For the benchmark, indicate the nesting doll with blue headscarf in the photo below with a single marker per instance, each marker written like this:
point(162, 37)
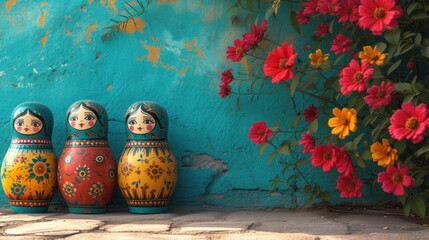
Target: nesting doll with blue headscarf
point(147, 173)
point(86, 168)
point(29, 168)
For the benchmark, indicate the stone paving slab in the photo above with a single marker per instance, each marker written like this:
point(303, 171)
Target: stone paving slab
point(141, 226)
point(309, 227)
point(133, 236)
point(54, 227)
point(210, 227)
point(21, 217)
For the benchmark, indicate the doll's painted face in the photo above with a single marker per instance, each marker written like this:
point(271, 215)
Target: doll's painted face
point(141, 123)
point(28, 124)
point(82, 119)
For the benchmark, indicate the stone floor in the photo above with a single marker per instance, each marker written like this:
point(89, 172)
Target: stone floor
point(207, 223)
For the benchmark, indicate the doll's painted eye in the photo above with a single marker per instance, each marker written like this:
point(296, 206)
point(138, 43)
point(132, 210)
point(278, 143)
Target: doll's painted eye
point(89, 117)
point(132, 122)
point(73, 118)
point(20, 123)
point(36, 123)
point(147, 121)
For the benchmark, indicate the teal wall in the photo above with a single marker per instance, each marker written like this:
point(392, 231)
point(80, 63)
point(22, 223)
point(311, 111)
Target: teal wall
point(53, 52)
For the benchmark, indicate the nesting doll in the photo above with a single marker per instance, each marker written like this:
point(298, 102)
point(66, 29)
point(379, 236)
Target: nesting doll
point(86, 168)
point(29, 168)
point(147, 171)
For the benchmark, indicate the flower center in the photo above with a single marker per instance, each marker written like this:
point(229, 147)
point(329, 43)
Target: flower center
point(379, 13)
point(282, 63)
point(396, 178)
point(412, 123)
point(17, 190)
point(238, 50)
point(357, 77)
point(326, 156)
point(350, 186)
point(261, 132)
point(82, 173)
point(39, 169)
point(348, 10)
point(381, 94)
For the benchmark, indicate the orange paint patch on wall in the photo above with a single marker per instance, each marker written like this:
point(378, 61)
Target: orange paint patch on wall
point(42, 18)
point(90, 2)
point(43, 40)
point(131, 26)
point(112, 5)
point(10, 4)
point(89, 31)
point(154, 52)
point(245, 64)
point(43, 4)
point(200, 52)
point(67, 17)
point(68, 32)
point(184, 71)
point(154, 38)
point(102, 2)
point(188, 46)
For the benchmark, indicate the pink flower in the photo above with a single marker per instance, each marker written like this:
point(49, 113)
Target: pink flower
point(322, 30)
point(308, 142)
point(341, 44)
point(324, 156)
point(348, 11)
point(354, 77)
point(260, 132)
point(379, 14)
point(227, 77)
point(350, 186)
point(236, 52)
point(328, 7)
point(257, 33)
point(395, 178)
point(343, 163)
point(379, 96)
point(280, 62)
point(224, 90)
point(311, 7)
point(409, 122)
point(310, 113)
point(302, 18)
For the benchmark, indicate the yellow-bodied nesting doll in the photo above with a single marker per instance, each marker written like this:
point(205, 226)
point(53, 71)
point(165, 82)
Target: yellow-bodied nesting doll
point(29, 167)
point(147, 172)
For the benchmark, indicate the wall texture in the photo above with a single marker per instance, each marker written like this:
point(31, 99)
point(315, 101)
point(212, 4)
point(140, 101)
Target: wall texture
point(54, 52)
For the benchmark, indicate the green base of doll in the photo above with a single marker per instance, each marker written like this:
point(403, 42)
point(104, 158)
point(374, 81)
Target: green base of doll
point(147, 210)
point(16, 209)
point(87, 210)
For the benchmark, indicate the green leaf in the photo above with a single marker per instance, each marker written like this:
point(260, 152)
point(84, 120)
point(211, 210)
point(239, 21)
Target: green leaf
point(357, 140)
point(295, 121)
point(412, 7)
point(422, 150)
point(295, 82)
point(400, 146)
point(394, 67)
point(407, 208)
point(291, 178)
point(262, 148)
point(301, 161)
point(325, 196)
point(393, 36)
point(271, 157)
point(366, 155)
point(348, 147)
point(418, 205)
point(381, 46)
point(313, 126)
point(420, 16)
point(285, 150)
point(404, 48)
point(403, 88)
point(360, 162)
point(295, 23)
point(418, 39)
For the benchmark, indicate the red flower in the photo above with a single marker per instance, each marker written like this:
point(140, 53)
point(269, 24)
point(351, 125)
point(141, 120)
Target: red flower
point(395, 178)
point(343, 163)
point(324, 156)
point(311, 7)
point(410, 65)
point(236, 52)
point(329, 7)
point(379, 14)
point(409, 122)
point(379, 96)
point(350, 186)
point(227, 77)
point(341, 44)
point(280, 62)
point(308, 142)
point(310, 113)
point(348, 11)
point(256, 35)
point(224, 90)
point(260, 132)
point(354, 77)
point(322, 30)
point(302, 18)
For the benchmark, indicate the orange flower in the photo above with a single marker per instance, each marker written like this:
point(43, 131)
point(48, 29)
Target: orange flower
point(383, 154)
point(344, 121)
point(373, 56)
point(317, 58)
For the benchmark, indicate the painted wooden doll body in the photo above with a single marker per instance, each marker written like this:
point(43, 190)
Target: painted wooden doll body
point(86, 168)
point(147, 173)
point(29, 167)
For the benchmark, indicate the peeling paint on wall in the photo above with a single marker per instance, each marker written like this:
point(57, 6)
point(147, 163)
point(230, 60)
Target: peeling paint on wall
point(165, 1)
point(89, 31)
point(10, 4)
point(132, 25)
point(112, 5)
point(154, 52)
point(42, 18)
point(43, 40)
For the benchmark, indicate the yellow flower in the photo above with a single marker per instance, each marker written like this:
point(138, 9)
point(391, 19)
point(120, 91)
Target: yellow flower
point(317, 58)
point(383, 154)
point(344, 121)
point(373, 56)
